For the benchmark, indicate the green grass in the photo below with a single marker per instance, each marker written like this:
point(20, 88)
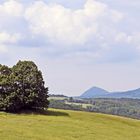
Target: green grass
point(67, 125)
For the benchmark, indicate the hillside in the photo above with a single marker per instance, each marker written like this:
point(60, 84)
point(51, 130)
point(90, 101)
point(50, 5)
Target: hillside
point(133, 94)
point(96, 92)
point(67, 125)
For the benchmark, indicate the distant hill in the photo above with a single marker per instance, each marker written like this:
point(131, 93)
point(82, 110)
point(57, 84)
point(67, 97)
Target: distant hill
point(134, 94)
point(96, 92)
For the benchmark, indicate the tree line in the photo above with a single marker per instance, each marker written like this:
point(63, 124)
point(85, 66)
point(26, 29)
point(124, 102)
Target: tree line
point(121, 107)
point(22, 87)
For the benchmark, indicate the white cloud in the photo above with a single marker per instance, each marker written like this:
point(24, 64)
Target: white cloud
point(9, 38)
point(94, 9)
point(123, 37)
point(11, 8)
point(91, 31)
point(66, 26)
point(132, 39)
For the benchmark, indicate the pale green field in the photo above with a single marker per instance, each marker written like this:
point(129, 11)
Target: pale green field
point(57, 98)
point(67, 125)
point(83, 105)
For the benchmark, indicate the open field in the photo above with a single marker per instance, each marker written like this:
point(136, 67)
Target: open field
point(57, 98)
point(67, 125)
point(82, 104)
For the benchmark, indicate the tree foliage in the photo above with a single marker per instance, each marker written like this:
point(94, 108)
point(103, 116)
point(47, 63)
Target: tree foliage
point(22, 87)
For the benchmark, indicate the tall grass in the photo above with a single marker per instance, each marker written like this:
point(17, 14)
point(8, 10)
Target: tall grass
point(67, 125)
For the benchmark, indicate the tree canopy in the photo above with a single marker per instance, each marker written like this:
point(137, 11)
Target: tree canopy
point(22, 87)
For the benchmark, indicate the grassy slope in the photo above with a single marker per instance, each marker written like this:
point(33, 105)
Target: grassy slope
point(67, 125)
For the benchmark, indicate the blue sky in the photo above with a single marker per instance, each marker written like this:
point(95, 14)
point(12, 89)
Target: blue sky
point(77, 44)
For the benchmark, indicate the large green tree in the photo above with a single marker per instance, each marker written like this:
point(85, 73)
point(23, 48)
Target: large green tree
point(5, 86)
point(22, 87)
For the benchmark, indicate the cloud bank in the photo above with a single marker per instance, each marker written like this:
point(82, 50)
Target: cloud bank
point(92, 28)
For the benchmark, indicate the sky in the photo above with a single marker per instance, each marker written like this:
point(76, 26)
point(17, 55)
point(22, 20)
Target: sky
point(77, 44)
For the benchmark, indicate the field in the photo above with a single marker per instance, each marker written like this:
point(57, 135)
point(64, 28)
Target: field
point(57, 98)
point(67, 125)
point(82, 104)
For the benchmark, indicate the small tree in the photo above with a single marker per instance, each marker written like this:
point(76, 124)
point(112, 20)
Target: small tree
point(25, 88)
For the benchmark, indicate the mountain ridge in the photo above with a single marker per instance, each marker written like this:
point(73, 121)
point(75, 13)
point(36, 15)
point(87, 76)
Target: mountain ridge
point(96, 92)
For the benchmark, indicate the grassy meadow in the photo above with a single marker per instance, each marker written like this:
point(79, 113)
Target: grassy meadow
point(67, 125)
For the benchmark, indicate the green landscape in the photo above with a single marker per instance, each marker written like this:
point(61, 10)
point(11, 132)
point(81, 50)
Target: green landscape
point(67, 125)
point(28, 113)
point(69, 70)
point(122, 106)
